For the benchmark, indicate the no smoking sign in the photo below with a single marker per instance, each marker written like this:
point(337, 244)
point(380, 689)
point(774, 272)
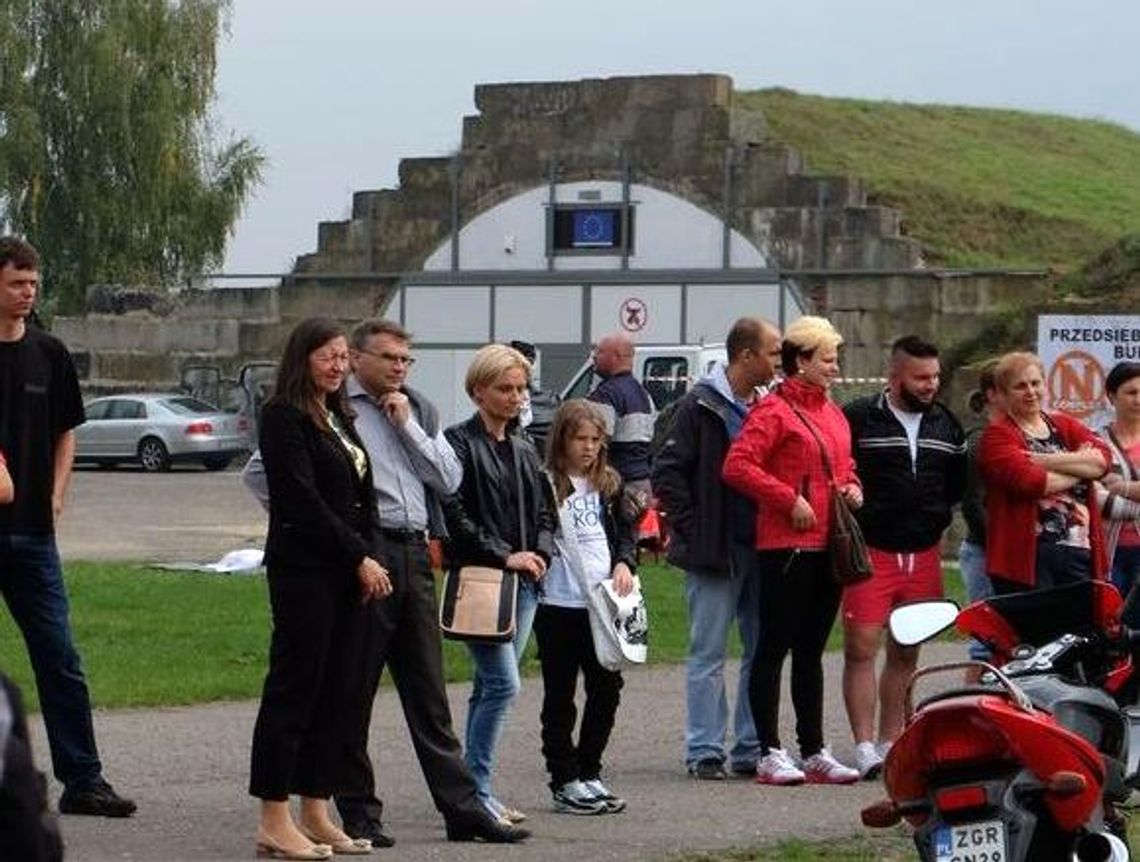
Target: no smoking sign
point(633, 314)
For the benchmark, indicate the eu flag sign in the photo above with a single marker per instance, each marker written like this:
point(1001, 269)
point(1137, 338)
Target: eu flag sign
point(594, 228)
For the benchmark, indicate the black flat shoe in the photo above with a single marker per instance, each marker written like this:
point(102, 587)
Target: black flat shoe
point(98, 800)
point(487, 830)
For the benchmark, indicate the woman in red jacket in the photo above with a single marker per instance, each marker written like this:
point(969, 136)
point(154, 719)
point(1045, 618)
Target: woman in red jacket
point(778, 461)
point(1041, 530)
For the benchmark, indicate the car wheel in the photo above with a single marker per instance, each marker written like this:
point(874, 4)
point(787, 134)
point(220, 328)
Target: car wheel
point(153, 455)
point(219, 462)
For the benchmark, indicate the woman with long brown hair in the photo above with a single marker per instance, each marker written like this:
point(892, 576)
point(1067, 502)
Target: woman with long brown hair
point(321, 569)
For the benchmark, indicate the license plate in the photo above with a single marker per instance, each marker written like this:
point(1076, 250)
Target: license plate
point(983, 841)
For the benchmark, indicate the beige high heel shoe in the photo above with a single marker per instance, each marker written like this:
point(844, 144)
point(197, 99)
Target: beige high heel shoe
point(347, 847)
point(269, 849)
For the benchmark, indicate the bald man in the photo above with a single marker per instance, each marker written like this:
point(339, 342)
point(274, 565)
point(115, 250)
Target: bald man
point(628, 409)
point(713, 533)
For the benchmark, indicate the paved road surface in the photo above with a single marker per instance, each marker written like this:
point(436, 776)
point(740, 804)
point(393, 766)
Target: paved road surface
point(185, 515)
point(188, 767)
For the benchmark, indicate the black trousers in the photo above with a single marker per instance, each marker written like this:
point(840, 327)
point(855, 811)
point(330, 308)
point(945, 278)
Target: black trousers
point(798, 602)
point(402, 631)
point(297, 740)
point(565, 647)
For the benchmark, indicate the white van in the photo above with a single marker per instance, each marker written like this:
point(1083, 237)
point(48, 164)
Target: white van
point(666, 371)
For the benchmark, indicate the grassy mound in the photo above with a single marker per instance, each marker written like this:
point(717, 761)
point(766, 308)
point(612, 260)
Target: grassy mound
point(979, 187)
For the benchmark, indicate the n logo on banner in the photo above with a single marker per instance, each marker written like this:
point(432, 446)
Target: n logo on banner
point(1076, 384)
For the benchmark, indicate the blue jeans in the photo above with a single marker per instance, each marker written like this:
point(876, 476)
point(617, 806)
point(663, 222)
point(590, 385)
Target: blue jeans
point(972, 565)
point(493, 689)
point(713, 602)
point(32, 584)
point(1125, 571)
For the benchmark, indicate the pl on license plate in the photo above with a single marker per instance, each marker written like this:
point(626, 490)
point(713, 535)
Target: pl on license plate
point(971, 842)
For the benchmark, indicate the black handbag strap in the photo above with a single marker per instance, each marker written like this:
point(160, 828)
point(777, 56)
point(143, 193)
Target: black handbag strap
point(819, 440)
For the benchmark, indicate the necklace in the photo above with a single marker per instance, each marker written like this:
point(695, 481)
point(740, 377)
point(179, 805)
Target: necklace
point(1038, 429)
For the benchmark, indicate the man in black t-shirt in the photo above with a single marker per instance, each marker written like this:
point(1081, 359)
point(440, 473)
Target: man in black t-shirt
point(40, 406)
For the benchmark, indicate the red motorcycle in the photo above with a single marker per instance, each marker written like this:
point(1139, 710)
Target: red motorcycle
point(1029, 764)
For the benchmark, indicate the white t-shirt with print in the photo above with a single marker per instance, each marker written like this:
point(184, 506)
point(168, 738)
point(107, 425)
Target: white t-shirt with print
point(560, 586)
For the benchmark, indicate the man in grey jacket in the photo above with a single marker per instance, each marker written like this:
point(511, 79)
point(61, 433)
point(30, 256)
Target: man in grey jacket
point(712, 537)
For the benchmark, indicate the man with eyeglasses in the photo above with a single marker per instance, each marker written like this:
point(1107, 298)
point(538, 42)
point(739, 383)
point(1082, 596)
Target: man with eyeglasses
point(413, 466)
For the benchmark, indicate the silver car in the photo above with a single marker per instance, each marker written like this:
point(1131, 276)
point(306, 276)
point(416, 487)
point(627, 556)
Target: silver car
point(156, 430)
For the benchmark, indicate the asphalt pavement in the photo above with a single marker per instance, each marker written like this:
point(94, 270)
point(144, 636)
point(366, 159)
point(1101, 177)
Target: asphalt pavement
point(187, 767)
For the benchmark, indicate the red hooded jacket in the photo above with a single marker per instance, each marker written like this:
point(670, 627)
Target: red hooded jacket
point(776, 457)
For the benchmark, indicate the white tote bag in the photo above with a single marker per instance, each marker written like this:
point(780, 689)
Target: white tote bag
point(619, 624)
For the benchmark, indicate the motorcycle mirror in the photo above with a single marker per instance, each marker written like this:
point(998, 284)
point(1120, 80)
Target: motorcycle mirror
point(913, 623)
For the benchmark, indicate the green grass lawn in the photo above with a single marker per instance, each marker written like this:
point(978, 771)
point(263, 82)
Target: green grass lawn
point(151, 637)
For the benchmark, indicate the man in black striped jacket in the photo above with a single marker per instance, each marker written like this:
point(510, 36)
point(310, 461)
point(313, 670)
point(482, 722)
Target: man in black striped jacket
point(911, 458)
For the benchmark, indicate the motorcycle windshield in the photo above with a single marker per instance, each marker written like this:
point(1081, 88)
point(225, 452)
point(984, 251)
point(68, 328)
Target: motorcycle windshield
point(1040, 616)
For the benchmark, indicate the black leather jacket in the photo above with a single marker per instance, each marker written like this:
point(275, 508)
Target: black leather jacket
point(477, 514)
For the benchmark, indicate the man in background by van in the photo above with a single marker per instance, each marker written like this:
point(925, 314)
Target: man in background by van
point(713, 540)
point(629, 415)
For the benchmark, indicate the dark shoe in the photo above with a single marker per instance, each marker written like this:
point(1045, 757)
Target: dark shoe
point(373, 830)
point(744, 770)
point(487, 829)
point(97, 800)
point(708, 770)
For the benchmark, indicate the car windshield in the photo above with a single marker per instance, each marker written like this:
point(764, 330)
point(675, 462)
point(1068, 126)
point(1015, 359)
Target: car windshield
point(187, 406)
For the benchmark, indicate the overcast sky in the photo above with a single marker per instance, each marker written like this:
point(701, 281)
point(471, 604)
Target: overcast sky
point(337, 92)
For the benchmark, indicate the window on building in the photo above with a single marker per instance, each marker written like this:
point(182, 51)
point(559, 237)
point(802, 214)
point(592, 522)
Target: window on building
point(666, 378)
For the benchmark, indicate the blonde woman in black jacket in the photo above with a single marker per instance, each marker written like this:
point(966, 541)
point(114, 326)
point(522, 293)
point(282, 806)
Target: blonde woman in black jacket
point(500, 517)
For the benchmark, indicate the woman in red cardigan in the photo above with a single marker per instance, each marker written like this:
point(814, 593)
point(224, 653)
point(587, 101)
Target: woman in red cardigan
point(1042, 524)
point(777, 461)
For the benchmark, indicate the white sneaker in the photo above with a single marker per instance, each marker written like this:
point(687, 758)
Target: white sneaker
point(868, 760)
point(614, 804)
point(822, 768)
point(883, 747)
point(776, 767)
point(574, 798)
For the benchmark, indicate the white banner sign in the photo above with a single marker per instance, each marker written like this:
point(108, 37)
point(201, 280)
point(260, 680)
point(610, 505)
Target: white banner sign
point(1078, 351)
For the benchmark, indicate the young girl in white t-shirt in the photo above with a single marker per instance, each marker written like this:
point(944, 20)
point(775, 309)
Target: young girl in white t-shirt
point(588, 493)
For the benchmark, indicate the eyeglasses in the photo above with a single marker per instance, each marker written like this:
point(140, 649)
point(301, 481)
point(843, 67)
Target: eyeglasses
point(331, 358)
point(394, 358)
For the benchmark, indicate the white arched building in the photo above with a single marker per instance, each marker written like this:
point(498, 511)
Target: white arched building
point(563, 264)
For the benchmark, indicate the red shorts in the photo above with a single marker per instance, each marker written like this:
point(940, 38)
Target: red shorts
point(896, 578)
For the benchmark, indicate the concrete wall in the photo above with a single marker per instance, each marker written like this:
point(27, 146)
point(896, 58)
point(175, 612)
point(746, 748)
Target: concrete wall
point(692, 158)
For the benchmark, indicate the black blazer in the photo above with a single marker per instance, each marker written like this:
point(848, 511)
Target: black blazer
point(476, 517)
point(322, 514)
